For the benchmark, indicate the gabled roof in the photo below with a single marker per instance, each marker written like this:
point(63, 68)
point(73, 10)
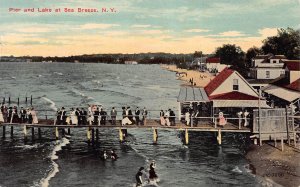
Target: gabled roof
point(277, 57)
point(233, 96)
point(192, 94)
point(294, 85)
point(218, 80)
point(292, 65)
point(262, 56)
point(213, 60)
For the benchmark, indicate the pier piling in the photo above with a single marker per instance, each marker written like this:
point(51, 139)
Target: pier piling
point(282, 146)
point(3, 132)
point(8, 100)
point(69, 131)
point(93, 134)
point(18, 101)
point(155, 136)
point(25, 131)
point(32, 133)
point(121, 135)
point(219, 138)
point(56, 132)
point(12, 131)
point(31, 100)
point(88, 134)
point(39, 133)
point(26, 101)
point(186, 137)
point(97, 134)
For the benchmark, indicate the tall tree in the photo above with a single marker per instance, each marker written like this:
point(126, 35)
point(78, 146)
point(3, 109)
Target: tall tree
point(251, 53)
point(232, 55)
point(286, 42)
point(198, 54)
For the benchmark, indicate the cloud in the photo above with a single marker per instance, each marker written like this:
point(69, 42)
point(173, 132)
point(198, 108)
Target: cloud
point(141, 26)
point(97, 26)
point(197, 30)
point(266, 32)
point(231, 34)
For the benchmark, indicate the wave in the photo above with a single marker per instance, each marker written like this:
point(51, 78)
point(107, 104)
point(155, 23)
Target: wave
point(28, 146)
point(237, 170)
point(58, 73)
point(45, 181)
point(52, 103)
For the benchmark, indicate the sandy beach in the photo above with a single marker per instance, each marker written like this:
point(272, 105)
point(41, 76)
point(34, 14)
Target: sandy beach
point(200, 78)
point(274, 165)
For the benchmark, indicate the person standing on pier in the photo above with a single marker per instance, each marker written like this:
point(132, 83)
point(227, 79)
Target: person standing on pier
point(4, 112)
point(187, 118)
point(34, 116)
point(102, 117)
point(113, 115)
point(172, 117)
point(15, 117)
point(96, 116)
point(138, 177)
point(1, 116)
point(29, 116)
point(130, 116)
point(126, 120)
point(83, 114)
point(162, 117)
point(74, 118)
point(63, 117)
point(137, 116)
point(167, 117)
point(144, 113)
point(23, 115)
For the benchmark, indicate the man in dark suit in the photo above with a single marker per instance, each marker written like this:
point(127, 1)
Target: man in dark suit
point(103, 117)
point(63, 116)
point(137, 115)
point(23, 115)
point(113, 115)
point(130, 116)
point(96, 116)
point(83, 114)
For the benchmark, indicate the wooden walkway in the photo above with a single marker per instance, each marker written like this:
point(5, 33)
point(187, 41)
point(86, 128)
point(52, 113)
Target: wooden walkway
point(151, 124)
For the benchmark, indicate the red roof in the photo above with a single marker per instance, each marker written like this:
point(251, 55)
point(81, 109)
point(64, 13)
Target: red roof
point(218, 80)
point(233, 96)
point(292, 65)
point(213, 60)
point(294, 85)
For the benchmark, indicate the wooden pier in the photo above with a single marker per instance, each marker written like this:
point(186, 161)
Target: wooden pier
point(150, 124)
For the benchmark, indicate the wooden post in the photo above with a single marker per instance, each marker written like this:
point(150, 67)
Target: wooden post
point(282, 146)
point(26, 100)
point(259, 119)
point(8, 100)
point(155, 136)
point(88, 134)
point(294, 133)
point(18, 101)
point(97, 134)
point(56, 133)
point(32, 133)
point(3, 131)
point(219, 138)
point(11, 131)
point(121, 135)
point(275, 142)
point(69, 131)
point(93, 134)
point(3, 102)
point(25, 131)
point(31, 100)
point(186, 137)
point(39, 132)
point(287, 125)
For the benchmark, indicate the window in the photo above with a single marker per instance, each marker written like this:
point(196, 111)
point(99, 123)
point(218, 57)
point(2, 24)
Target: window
point(267, 74)
point(235, 85)
point(274, 61)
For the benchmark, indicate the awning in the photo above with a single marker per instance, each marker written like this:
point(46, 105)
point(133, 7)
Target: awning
point(240, 103)
point(282, 93)
point(192, 94)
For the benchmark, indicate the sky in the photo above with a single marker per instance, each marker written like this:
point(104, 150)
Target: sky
point(134, 26)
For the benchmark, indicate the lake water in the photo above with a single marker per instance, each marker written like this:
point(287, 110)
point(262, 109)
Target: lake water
point(72, 162)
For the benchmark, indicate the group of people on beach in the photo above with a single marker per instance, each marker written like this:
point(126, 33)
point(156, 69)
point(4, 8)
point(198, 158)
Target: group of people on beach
point(167, 118)
point(12, 115)
point(96, 115)
point(152, 177)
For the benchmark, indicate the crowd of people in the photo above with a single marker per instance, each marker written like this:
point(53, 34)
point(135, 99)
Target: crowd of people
point(13, 115)
point(167, 118)
point(96, 115)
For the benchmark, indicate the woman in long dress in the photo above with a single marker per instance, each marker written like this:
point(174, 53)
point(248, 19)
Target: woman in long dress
point(1, 117)
point(167, 115)
point(74, 118)
point(162, 117)
point(34, 116)
point(126, 120)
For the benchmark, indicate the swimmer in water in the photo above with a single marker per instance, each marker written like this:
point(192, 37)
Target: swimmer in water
point(152, 174)
point(105, 156)
point(113, 155)
point(138, 177)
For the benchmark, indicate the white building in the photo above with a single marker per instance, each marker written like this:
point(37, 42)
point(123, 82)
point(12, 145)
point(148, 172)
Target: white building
point(267, 66)
point(131, 62)
point(214, 64)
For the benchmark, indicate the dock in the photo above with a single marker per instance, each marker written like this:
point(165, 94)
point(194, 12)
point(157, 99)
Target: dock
point(122, 130)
